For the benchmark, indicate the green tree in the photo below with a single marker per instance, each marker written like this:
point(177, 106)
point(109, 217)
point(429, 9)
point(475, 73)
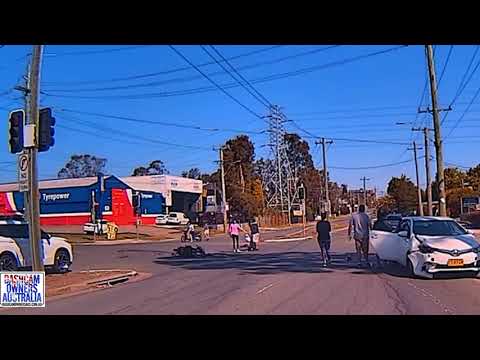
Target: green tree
point(156, 167)
point(403, 192)
point(83, 166)
point(193, 173)
point(242, 182)
point(473, 177)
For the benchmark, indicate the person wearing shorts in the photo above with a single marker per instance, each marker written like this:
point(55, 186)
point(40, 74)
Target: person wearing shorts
point(359, 229)
point(324, 239)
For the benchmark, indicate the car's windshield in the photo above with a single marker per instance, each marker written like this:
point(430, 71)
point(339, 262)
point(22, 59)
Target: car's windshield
point(437, 228)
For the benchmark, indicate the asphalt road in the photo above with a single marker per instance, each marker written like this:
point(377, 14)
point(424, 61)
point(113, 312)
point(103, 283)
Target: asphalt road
point(281, 278)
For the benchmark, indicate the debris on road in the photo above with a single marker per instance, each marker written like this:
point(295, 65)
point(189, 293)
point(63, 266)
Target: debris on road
point(188, 251)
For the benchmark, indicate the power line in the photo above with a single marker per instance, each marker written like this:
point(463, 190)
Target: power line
point(268, 103)
point(464, 82)
point(214, 83)
point(136, 136)
point(373, 167)
point(259, 99)
point(165, 72)
point(272, 77)
point(459, 120)
point(194, 77)
point(91, 52)
point(161, 123)
point(313, 136)
point(445, 66)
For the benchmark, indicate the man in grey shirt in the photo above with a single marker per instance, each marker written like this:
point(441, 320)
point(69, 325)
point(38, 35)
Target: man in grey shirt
point(359, 228)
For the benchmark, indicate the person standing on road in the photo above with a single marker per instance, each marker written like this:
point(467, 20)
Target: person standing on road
point(234, 231)
point(206, 232)
point(323, 237)
point(254, 234)
point(359, 229)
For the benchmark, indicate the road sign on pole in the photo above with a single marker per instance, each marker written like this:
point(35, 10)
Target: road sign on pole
point(23, 161)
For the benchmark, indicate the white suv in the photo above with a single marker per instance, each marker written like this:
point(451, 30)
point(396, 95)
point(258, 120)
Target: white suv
point(15, 252)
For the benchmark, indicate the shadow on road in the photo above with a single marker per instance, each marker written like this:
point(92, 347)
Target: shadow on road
point(273, 263)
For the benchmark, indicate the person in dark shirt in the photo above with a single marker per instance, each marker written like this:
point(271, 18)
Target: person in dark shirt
point(323, 237)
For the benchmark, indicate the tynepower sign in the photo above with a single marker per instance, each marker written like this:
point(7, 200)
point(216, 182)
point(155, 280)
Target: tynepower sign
point(55, 197)
point(22, 289)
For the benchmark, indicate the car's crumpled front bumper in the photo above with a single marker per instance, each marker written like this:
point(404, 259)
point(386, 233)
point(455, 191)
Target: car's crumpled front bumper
point(428, 264)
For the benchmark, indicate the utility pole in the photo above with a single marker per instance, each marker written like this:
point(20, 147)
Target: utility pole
point(419, 190)
point(325, 174)
point(364, 179)
point(438, 136)
point(427, 169)
point(224, 195)
point(33, 198)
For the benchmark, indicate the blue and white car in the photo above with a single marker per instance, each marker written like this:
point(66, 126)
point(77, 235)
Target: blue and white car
point(428, 245)
point(15, 252)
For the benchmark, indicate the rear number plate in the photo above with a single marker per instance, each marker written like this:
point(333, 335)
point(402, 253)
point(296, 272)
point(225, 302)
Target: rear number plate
point(455, 262)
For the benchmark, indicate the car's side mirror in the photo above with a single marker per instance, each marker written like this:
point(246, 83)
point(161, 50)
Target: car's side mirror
point(403, 234)
point(470, 232)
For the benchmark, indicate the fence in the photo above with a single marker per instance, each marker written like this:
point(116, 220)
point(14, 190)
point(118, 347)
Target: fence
point(273, 220)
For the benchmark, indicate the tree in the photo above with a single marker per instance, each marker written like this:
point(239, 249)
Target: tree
point(473, 177)
point(83, 166)
point(193, 173)
point(243, 185)
point(298, 153)
point(404, 193)
point(156, 167)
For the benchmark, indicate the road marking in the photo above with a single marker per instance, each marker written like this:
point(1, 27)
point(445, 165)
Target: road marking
point(435, 300)
point(264, 289)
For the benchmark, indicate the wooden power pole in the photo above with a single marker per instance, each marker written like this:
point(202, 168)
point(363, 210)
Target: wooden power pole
point(438, 137)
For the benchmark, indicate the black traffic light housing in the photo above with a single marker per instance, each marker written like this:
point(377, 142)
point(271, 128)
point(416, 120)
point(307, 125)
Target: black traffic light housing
point(46, 130)
point(301, 193)
point(136, 203)
point(15, 131)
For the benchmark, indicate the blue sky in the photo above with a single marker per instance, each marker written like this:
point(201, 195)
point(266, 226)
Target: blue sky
point(358, 100)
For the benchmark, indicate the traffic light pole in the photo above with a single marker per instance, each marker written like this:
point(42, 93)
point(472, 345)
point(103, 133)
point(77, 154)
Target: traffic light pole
point(33, 191)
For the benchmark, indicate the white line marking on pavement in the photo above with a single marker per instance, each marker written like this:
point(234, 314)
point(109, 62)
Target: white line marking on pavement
point(265, 288)
point(435, 300)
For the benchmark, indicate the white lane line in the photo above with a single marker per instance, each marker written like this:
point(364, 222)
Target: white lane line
point(265, 288)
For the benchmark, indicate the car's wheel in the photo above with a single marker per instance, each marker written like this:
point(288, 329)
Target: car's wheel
point(8, 262)
point(62, 261)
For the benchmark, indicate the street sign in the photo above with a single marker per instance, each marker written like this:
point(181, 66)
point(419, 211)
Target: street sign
point(23, 160)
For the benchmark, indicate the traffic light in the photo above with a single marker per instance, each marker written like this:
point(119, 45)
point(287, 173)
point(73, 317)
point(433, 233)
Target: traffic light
point(301, 193)
point(46, 131)
point(136, 203)
point(15, 130)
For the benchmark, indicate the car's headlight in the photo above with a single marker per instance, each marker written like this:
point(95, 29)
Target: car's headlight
point(476, 249)
point(425, 249)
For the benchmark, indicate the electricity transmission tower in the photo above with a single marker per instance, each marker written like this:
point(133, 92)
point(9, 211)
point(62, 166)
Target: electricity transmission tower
point(281, 183)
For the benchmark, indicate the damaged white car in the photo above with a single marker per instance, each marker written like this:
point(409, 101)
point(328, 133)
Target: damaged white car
point(428, 245)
